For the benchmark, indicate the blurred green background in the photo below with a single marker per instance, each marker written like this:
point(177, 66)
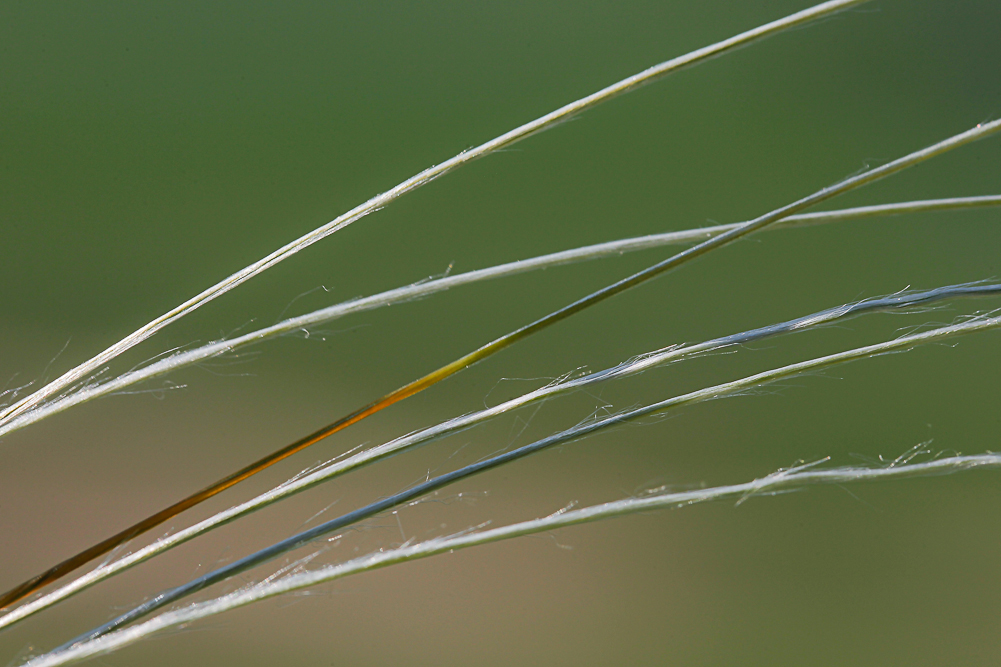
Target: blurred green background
point(147, 151)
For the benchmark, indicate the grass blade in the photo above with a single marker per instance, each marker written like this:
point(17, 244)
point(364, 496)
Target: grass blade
point(427, 288)
point(783, 480)
point(577, 432)
point(413, 440)
point(649, 75)
point(980, 131)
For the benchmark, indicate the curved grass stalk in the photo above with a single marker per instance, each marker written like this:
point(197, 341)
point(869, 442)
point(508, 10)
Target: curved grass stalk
point(572, 434)
point(52, 574)
point(783, 480)
point(427, 288)
point(411, 441)
point(87, 369)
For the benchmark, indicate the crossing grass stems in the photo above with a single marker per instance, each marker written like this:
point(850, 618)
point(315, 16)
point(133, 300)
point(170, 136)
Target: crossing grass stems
point(79, 385)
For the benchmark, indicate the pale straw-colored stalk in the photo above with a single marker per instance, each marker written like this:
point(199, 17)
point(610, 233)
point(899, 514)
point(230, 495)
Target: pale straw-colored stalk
point(794, 478)
point(452, 426)
point(55, 572)
point(89, 368)
point(429, 287)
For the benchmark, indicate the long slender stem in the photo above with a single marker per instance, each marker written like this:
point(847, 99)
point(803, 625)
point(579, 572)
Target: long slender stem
point(305, 537)
point(498, 344)
point(783, 480)
point(427, 288)
point(452, 426)
point(88, 368)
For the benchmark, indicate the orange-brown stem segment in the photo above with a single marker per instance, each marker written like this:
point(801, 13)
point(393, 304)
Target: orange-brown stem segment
point(32, 585)
point(70, 564)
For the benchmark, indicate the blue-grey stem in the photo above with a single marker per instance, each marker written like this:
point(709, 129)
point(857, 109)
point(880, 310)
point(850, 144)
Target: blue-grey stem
point(893, 302)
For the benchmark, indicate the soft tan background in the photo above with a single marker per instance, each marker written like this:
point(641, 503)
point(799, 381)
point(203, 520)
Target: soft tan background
point(146, 152)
